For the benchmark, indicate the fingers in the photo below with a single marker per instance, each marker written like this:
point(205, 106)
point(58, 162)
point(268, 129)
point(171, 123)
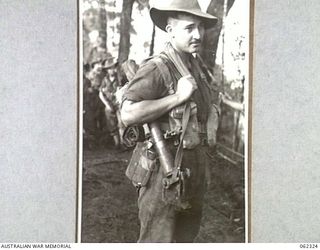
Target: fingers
point(190, 79)
point(186, 86)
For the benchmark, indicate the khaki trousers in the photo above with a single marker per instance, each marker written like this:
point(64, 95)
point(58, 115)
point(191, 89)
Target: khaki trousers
point(161, 222)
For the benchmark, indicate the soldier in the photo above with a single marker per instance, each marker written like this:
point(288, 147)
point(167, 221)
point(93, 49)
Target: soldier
point(94, 117)
point(107, 96)
point(172, 91)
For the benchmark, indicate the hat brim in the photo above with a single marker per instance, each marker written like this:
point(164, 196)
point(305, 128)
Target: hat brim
point(110, 65)
point(160, 17)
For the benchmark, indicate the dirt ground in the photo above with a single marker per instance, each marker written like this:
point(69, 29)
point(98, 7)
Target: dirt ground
point(109, 206)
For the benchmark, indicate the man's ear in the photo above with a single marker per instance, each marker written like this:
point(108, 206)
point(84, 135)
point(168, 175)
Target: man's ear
point(168, 28)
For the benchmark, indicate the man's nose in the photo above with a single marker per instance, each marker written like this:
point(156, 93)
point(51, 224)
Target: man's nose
point(196, 33)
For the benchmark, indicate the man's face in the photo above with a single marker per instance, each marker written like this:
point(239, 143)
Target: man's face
point(97, 68)
point(112, 72)
point(186, 33)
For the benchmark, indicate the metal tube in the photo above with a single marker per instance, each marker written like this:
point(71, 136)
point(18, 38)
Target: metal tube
point(165, 156)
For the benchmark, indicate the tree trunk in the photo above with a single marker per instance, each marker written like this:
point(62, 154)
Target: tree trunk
point(211, 37)
point(90, 23)
point(152, 41)
point(125, 24)
point(103, 22)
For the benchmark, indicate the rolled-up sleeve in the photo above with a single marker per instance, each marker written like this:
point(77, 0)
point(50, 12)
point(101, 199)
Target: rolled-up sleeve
point(147, 84)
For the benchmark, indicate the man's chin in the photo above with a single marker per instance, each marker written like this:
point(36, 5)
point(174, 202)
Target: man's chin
point(195, 48)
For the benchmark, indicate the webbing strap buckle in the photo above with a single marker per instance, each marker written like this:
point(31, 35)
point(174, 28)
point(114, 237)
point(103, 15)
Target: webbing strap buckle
point(172, 133)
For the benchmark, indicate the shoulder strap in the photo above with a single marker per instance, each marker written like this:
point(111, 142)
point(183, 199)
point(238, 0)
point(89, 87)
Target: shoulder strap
point(163, 63)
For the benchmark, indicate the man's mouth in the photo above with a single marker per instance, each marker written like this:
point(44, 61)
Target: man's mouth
point(196, 43)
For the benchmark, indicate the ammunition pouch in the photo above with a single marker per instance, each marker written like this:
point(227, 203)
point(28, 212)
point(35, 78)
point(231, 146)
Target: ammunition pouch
point(191, 138)
point(142, 163)
point(174, 189)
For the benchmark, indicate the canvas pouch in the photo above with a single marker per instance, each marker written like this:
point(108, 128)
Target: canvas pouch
point(191, 138)
point(142, 163)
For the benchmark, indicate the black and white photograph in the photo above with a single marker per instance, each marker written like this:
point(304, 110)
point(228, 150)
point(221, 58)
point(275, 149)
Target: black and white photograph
point(172, 121)
point(164, 121)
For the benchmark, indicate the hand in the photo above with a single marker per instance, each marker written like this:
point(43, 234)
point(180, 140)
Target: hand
point(90, 90)
point(222, 97)
point(185, 87)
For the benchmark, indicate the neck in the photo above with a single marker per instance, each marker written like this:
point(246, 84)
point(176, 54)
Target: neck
point(185, 57)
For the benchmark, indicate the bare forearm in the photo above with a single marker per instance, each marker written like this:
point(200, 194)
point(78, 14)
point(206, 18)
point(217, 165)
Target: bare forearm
point(147, 110)
point(105, 101)
point(235, 105)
